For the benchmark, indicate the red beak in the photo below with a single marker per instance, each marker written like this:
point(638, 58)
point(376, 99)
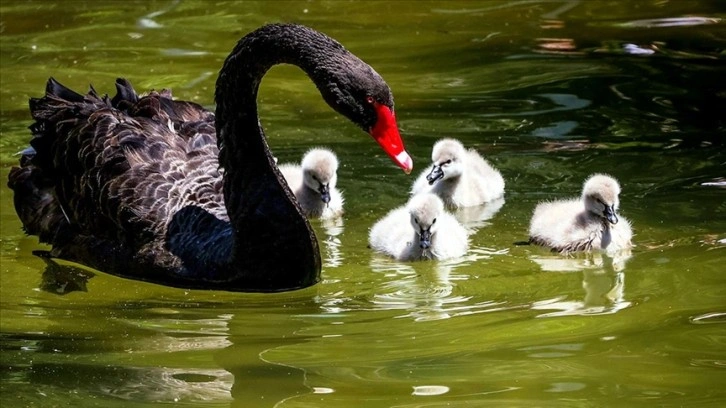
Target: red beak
point(385, 131)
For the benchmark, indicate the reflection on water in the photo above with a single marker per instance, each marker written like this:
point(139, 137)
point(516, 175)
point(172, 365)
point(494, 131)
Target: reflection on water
point(425, 290)
point(332, 247)
point(169, 385)
point(153, 354)
point(476, 217)
point(143, 384)
point(603, 281)
point(425, 295)
point(62, 279)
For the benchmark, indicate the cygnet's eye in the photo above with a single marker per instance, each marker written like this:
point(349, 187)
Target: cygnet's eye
point(433, 222)
point(446, 162)
point(415, 220)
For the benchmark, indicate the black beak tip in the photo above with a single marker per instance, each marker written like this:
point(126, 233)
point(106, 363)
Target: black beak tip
point(434, 176)
point(610, 215)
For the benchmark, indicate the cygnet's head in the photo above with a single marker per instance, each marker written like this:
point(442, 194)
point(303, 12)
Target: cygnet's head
point(448, 158)
point(600, 194)
point(320, 168)
point(424, 210)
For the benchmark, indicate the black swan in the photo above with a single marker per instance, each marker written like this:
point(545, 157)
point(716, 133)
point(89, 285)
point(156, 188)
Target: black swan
point(150, 188)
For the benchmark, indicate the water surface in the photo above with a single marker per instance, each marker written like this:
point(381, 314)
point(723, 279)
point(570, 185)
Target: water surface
point(548, 91)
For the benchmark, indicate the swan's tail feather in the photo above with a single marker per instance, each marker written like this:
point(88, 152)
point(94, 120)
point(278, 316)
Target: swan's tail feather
point(57, 115)
point(77, 176)
point(54, 87)
point(126, 96)
point(36, 204)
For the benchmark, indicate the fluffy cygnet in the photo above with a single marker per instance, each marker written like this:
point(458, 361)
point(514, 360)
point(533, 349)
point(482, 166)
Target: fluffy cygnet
point(589, 223)
point(460, 177)
point(314, 183)
point(421, 229)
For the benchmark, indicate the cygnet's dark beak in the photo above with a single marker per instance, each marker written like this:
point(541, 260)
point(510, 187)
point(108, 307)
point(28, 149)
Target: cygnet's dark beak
point(609, 214)
point(425, 238)
point(436, 174)
point(324, 193)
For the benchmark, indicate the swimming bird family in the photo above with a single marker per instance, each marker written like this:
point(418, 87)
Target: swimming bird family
point(151, 188)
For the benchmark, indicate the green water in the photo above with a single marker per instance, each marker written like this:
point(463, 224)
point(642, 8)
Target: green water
point(548, 91)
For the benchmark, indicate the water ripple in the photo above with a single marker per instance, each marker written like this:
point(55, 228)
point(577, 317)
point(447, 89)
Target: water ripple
point(671, 22)
point(709, 318)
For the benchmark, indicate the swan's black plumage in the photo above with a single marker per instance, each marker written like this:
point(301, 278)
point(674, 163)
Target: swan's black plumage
point(165, 191)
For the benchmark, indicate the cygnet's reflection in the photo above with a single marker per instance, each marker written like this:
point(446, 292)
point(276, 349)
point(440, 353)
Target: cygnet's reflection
point(423, 290)
point(476, 217)
point(332, 229)
point(603, 282)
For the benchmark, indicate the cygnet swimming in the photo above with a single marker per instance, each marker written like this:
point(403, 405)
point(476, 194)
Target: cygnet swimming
point(422, 229)
point(314, 181)
point(588, 223)
point(460, 177)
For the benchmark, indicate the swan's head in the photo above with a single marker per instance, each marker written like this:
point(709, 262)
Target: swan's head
point(600, 194)
point(424, 210)
point(448, 158)
point(319, 167)
point(358, 92)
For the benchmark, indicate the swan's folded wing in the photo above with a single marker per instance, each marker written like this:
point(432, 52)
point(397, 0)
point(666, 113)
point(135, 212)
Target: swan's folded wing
point(114, 165)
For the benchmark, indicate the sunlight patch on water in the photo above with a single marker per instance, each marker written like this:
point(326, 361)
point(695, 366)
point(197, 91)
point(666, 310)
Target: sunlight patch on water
point(180, 52)
point(566, 387)
point(429, 390)
point(148, 20)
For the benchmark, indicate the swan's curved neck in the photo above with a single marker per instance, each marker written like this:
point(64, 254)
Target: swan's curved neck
point(240, 77)
point(272, 237)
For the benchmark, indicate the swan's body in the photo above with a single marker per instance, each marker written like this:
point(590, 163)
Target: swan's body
point(460, 177)
point(314, 182)
point(422, 229)
point(588, 223)
point(166, 191)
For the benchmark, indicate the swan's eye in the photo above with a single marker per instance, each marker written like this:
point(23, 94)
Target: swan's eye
point(370, 100)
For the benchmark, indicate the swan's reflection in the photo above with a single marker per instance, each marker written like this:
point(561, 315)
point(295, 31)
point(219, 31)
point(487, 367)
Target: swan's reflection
point(163, 384)
point(239, 373)
point(332, 228)
point(603, 282)
point(170, 355)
